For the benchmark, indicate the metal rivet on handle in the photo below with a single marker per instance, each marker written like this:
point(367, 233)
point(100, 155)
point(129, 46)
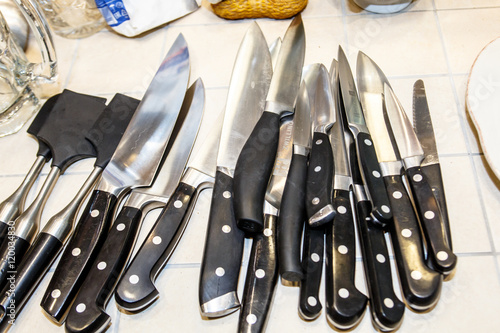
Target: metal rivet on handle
point(133, 279)
point(226, 194)
point(368, 142)
point(260, 273)
point(318, 142)
point(55, 293)
point(429, 214)
point(397, 195)
point(389, 303)
point(226, 229)
point(385, 209)
point(317, 169)
point(178, 204)
point(376, 174)
point(442, 256)
point(380, 258)
point(80, 308)
point(157, 240)
point(102, 265)
point(343, 249)
point(315, 257)
point(120, 227)
point(268, 232)
point(220, 271)
point(416, 275)
point(251, 319)
point(344, 293)
point(315, 201)
point(418, 177)
point(341, 210)
point(94, 213)
point(406, 233)
point(76, 252)
point(312, 301)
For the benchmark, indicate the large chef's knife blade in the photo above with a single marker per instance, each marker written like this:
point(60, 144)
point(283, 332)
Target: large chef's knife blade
point(255, 162)
point(133, 164)
point(369, 166)
point(440, 254)
point(224, 241)
point(421, 285)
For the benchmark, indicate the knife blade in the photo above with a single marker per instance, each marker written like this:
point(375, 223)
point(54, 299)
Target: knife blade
point(255, 162)
point(422, 124)
point(439, 253)
point(370, 169)
point(421, 285)
point(249, 84)
point(147, 133)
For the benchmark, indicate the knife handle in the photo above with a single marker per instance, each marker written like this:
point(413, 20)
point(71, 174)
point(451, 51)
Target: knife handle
point(79, 254)
point(30, 272)
point(260, 282)
point(136, 289)
point(345, 304)
point(386, 308)
point(252, 172)
point(312, 261)
point(372, 176)
point(223, 252)
point(87, 312)
point(11, 253)
point(291, 220)
point(319, 182)
point(4, 231)
point(421, 285)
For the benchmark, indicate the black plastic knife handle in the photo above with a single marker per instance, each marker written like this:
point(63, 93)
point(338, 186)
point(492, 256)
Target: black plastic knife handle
point(260, 282)
point(381, 209)
point(79, 254)
point(253, 170)
point(345, 304)
point(222, 255)
point(441, 256)
point(12, 251)
point(319, 182)
point(386, 308)
point(136, 289)
point(87, 312)
point(21, 285)
point(421, 286)
point(291, 220)
point(312, 261)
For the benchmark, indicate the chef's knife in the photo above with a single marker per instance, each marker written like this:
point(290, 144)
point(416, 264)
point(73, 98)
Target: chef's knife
point(369, 166)
point(422, 123)
point(421, 285)
point(224, 241)
point(133, 164)
point(255, 162)
point(345, 304)
point(87, 314)
point(440, 254)
point(262, 272)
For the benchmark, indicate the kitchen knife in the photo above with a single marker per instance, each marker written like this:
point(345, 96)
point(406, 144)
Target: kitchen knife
point(224, 241)
point(345, 304)
point(136, 289)
point(274, 50)
point(422, 123)
point(262, 272)
point(412, 154)
point(147, 133)
point(87, 314)
point(421, 285)
point(104, 135)
point(255, 162)
point(369, 166)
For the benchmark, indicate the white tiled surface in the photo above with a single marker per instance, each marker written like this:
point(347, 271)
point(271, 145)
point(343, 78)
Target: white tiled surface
point(436, 40)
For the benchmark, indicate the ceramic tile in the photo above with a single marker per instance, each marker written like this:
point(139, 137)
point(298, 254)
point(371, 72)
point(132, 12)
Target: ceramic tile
point(322, 8)
point(323, 37)
point(454, 4)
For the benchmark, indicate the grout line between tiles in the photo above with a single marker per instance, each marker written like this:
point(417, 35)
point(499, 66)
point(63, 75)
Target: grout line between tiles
point(73, 60)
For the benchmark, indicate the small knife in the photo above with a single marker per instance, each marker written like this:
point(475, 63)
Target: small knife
point(147, 133)
point(255, 162)
point(421, 285)
point(224, 241)
point(369, 166)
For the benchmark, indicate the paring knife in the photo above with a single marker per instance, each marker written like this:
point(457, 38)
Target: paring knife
point(345, 304)
point(255, 163)
point(262, 272)
point(421, 285)
point(224, 241)
point(87, 314)
point(133, 164)
point(136, 289)
point(422, 124)
point(368, 163)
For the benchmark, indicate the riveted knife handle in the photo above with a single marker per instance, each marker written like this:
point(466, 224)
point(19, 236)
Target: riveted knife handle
point(421, 285)
point(253, 170)
point(87, 312)
point(345, 304)
point(312, 261)
point(291, 220)
point(79, 254)
point(11, 253)
point(441, 256)
point(386, 308)
point(260, 282)
point(381, 209)
point(223, 252)
point(136, 289)
point(30, 272)
point(319, 182)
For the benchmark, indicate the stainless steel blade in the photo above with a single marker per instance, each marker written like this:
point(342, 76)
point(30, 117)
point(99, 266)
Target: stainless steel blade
point(286, 77)
point(249, 85)
point(309, 76)
point(274, 49)
point(408, 146)
point(302, 136)
point(140, 150)
point(324, 114)
point(422, 123)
